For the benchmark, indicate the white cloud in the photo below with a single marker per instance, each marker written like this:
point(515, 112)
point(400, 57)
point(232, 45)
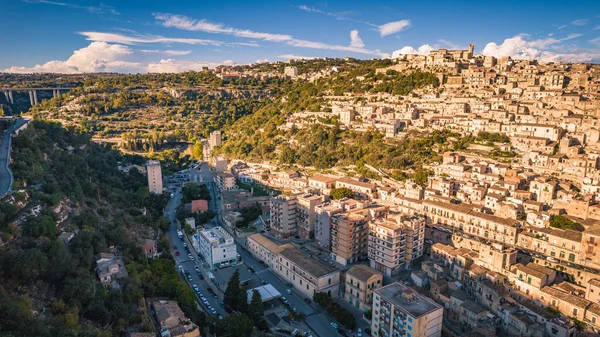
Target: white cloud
point(185, 23)
point(355, 40)
point(338, 15)
point(580, 22)
point(422, 50)
point(296, 57)
point(449, 44)
point(262, 61)
point(134, 39)
point(393, 27)
point(597, 28)
point(229, 62)
point(595, 41)
point(105, 57)
point(519, 48)
point(167, 52)
point(101, 9)
point(562, 27)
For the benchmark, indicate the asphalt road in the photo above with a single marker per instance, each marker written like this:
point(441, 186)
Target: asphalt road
point(185, 262)
point(316, 319)
point(5, 173)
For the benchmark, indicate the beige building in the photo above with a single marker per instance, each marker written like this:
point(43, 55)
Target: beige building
point(215, 138)
point(225, 181)
point(361, 190)
point(395, 241)
point(399, 311)
point(283, 215)
point(155, 183)
point(264, 249)
point(359, 285)
point(305, 215)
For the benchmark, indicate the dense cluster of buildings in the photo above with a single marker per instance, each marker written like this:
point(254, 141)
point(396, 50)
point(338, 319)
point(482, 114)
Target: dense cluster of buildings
point(508, 244)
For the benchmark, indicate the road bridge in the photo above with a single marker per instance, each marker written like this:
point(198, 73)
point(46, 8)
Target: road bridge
point(33, 99)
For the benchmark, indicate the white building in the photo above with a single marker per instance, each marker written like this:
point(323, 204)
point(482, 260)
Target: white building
point(215, 138)
point(217, 247)
point(399, 310)
point(155, 183)
point(290, 71)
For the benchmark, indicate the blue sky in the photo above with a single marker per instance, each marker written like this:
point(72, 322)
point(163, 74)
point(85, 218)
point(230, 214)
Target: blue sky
point(141, 36)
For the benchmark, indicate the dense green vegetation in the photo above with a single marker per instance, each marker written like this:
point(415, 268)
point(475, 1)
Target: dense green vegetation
point(48, 288)
point(561, 222)
point(249, 215)
point(245, 315)
point(340, 193)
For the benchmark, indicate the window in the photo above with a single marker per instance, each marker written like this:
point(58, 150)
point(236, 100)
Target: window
point(409, 320)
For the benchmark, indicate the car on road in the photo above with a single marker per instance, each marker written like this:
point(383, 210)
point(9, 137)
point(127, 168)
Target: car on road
point(368, 331)
point(283, 299)
point(189, 277)
point(185, 245)
point(175, 247)
point(307, 300)
point(191, 257)
point(220, 317)
point(288, 291)
point(197, 269)
point(551, 259)
point(335, 325)
point(359, 332)
point(177, 253)
point(195, 287)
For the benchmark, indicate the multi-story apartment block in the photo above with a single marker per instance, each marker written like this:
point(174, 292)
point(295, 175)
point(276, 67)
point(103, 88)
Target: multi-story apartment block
point(264, 249)
point(217, 247)
point(305, 215)
point(225, 181)
point(530, 279)
point(323, 215)
point(291, 71)
point(349, 233)
point(395, 241)
point(400, 311)
point(155, 183)
point(359, 285)
point(322, 183)
point(215, 138)
point(283, 215)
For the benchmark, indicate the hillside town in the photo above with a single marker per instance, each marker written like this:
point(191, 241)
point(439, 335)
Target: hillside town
point(506, 244)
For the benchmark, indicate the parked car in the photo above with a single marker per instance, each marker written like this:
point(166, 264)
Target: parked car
point(288, 291)
point(197, 269)
point(177, 253)
point(359, 332)
point(191, 257)
point(335, 325)
point(307, 300)
point(368, 331)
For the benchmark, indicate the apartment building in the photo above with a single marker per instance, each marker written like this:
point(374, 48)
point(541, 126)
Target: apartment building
point(225, 181)
point(468, 220)
point(323, 215)
point(399, 310)
point(305, 215)
point(283, 215)
point(359, 285)
point(530, 279)
point(290, 71)
point(217, 247)
point(155, 183)
point(215, 138)
point(394, 242)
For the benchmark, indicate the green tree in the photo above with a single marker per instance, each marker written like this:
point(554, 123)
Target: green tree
point(342, 192)
point(256, 311)
point(561, 222)
point(234, 326)
point(197, 150)
point(232, 292)
point(420, 176)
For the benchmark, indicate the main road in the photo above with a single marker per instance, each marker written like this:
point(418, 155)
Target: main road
point(184, 261)
point(6, 177)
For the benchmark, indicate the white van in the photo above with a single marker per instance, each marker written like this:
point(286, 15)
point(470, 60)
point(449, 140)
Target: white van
point(295, 332)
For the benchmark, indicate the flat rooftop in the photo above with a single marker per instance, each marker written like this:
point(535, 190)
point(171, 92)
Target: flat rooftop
point(407, 299)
